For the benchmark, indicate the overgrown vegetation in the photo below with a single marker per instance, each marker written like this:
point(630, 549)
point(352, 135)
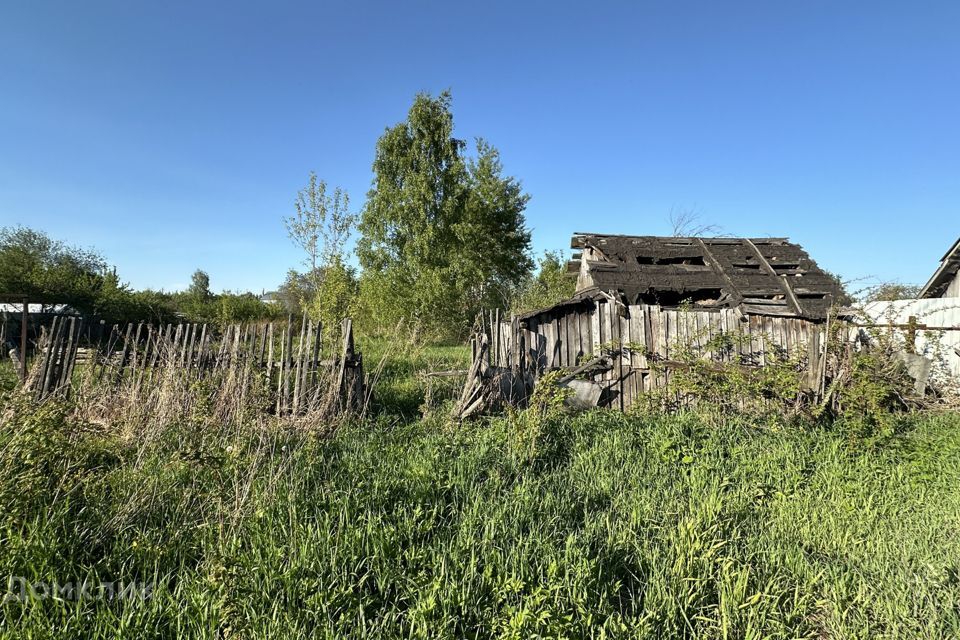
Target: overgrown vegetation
point(859, 382)
point(551, 284)
point(599, 525)
point(724, 522)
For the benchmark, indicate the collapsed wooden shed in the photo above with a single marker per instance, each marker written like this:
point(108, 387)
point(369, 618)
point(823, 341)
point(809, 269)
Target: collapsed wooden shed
point(640, 299)
point(762, 276)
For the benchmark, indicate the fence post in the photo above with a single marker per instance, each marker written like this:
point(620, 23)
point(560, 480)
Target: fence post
point(912, 334)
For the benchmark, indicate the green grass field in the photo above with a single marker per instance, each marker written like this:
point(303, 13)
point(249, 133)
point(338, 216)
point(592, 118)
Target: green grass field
point(601, 525)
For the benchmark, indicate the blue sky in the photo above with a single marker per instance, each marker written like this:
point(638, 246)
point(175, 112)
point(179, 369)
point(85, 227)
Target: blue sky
point(175, 135)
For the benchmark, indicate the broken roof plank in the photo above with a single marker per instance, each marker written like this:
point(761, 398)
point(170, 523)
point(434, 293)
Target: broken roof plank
point(782, 281)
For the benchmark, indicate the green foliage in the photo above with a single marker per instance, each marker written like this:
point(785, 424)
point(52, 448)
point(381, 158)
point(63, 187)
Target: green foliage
point(534, 432)
point(117, 303)
point(872, 390)
point(865, 395)
point(442, 237)
point(551, 284)
point(47, 270)
point(645, 526)
point(334, 298)
point(397, 366)
point(232, 308)
point(200, 286)
point(713, 374)
point(322, 226)
point(50, 271)
point(8, 376)
point(198, 303)
point(892, 291)
point(296, 288)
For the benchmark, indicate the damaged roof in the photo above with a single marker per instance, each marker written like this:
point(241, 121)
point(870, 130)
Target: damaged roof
point(762, 276)
point(940, 281)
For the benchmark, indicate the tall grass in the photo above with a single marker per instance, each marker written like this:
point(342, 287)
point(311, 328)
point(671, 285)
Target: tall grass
point(603, 525)
point(397, 372)
point(8, 374)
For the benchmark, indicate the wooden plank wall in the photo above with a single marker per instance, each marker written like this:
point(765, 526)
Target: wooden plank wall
point(642, 335)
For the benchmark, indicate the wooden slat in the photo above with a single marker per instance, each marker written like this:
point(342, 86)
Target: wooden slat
point(584, 338)
point(595, 334)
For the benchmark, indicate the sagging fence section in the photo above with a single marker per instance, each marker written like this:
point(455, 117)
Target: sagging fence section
point(296, 368)
point(629, 350)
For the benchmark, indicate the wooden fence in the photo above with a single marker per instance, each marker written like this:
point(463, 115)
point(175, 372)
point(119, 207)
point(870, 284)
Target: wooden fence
point(643, 342)
point(297, 372)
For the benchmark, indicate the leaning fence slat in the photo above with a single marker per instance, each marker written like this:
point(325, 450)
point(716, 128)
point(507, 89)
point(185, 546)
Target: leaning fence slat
point(63, 381)
point(49, 361)
point(298, 366)
point(72, 360)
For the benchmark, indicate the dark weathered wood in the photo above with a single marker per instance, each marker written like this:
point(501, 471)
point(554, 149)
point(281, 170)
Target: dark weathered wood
point(287, 361)
point(784, 284)
point(655, 334)
point(346, 354)
point(282, 370)
point(235, 355)
point(194, 338)
point(514, 343)
point(261, 345)
point(315, 357)
point(72, 358)
point(49, 360)
point(617, 341)
point(269, 351)
point(303, 352)
point(63, 357)
point(50, 356)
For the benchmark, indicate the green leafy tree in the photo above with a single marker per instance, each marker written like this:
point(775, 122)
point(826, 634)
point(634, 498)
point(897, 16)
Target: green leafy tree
point(893, 291)
point(322, 227)
point(441, 236)
point(198, 303)
point(322, 224)
point(153, 306)
point(296, 288)
point(231, 308)
point(200, 286)
point(550, 285)
point(118, 303)
point(50, 271)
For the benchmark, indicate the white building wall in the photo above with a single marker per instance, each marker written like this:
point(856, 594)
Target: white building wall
point(941, 346)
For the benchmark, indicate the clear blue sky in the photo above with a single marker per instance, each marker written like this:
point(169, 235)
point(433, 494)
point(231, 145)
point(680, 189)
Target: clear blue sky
point(174, 135)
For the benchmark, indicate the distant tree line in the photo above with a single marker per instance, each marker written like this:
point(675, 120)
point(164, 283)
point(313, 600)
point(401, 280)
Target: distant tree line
point(51, 272)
